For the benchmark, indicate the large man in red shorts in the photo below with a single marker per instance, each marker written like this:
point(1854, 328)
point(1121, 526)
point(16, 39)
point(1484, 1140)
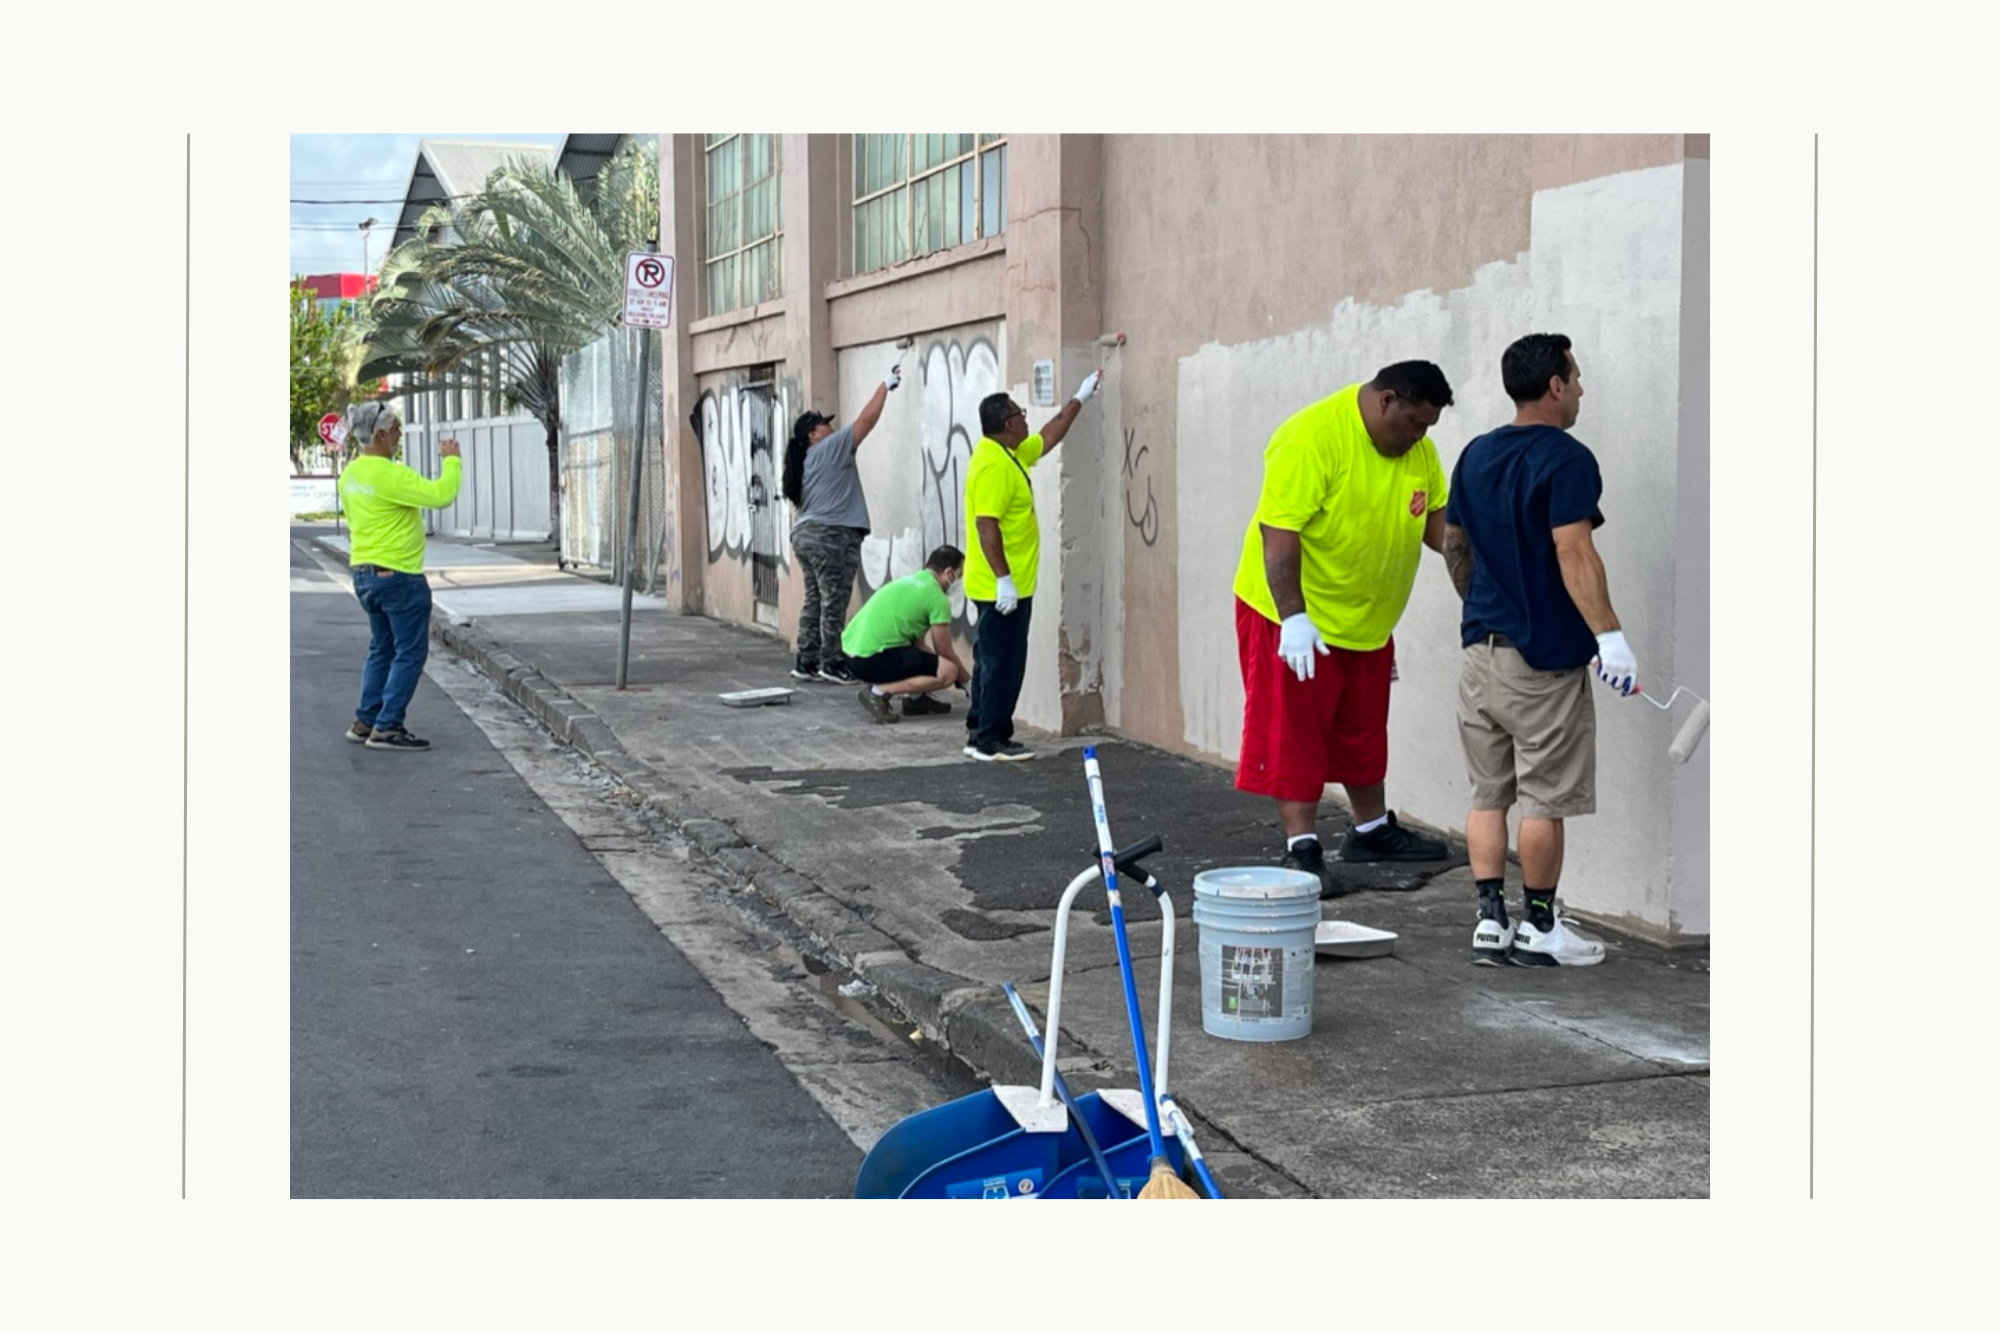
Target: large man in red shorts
point(1352, 493)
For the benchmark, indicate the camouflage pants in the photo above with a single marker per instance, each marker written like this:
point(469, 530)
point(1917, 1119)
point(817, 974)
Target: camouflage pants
point(829, 557)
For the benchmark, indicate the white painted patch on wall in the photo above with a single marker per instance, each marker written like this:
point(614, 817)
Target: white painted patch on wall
point(1605, 267)
point(1230, 399)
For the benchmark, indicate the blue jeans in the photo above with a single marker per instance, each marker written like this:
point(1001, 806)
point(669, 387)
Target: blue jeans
point(399, 620)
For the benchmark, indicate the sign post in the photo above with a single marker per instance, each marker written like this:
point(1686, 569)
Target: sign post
point(649, 305)
point(332, 431)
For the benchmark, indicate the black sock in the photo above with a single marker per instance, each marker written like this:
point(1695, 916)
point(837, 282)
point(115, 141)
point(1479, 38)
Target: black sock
point(1492, 900)
point(1541, 908)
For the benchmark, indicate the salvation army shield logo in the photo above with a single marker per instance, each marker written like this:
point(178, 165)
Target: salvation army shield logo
point(1418, 499)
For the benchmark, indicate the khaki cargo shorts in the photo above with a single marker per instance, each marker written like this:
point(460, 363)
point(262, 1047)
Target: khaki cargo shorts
point(1527, 734)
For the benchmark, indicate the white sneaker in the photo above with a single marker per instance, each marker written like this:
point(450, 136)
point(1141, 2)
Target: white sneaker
point(1491, 942)
point(1557, 947)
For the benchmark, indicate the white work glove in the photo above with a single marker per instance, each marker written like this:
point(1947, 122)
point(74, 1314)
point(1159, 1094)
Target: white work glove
point(1089, 386)
point(1006, 599)
point(1615, 664)
point(1297, 640)
point(894, 378)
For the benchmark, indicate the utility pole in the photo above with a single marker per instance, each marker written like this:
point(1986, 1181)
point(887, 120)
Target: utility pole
point(365, 228)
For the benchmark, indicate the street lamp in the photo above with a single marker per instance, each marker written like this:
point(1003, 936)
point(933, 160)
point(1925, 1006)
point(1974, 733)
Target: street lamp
point(365, 226)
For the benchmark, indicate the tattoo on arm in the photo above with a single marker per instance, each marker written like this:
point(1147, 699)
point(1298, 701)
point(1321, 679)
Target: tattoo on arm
point(1458, 559)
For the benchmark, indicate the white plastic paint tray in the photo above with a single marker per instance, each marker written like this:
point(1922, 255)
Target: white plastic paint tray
point(1344, 939)
point(757, 698)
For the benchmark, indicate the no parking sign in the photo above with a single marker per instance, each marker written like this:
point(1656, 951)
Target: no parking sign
point(649, 291)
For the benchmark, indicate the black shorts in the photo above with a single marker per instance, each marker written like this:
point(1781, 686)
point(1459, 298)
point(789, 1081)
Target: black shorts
point(893, 664)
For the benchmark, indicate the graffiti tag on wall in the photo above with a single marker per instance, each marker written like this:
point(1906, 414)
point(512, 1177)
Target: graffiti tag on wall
point(954, 373)
point(1144, 517)
point(739, 428)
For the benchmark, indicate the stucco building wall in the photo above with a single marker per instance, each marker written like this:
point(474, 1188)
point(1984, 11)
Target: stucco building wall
point(1249, 276)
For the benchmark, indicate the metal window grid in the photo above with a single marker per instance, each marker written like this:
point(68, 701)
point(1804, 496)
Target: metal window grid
point(916, 194)
point(742, 260)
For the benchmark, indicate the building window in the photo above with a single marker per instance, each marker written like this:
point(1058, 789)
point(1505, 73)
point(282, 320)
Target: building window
point(741, 252)
point(915, 194)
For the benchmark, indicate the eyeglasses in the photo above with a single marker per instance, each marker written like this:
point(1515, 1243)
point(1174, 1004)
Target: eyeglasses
point(1017, 412)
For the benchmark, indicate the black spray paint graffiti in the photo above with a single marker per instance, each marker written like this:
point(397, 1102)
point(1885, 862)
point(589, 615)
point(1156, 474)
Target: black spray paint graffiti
point(739, 427)
point(1147, 519)
point(953, 376)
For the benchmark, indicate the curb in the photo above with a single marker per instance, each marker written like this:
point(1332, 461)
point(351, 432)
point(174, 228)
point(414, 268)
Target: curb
point(957, 1013)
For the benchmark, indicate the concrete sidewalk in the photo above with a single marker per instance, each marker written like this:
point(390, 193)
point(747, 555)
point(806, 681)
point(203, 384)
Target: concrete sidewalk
point(935, 878)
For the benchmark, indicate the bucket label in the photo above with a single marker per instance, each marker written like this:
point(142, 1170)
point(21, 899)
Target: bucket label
point(1253, 981)
point(1010, 1185)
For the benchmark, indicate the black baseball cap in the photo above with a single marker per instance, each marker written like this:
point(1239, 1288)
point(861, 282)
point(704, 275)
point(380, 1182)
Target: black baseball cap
point(807, 420)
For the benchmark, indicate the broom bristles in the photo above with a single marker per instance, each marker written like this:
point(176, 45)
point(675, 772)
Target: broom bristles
point(1165, 1184)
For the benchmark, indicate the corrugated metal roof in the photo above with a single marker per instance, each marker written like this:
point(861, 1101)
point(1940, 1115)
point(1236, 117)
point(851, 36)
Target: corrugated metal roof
point(581, 155)
point(447, 168)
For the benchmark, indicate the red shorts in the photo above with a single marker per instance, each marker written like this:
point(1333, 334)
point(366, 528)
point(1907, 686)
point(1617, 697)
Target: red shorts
point(1299, 735)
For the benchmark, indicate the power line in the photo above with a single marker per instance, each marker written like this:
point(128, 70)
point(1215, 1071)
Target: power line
point(399, 200)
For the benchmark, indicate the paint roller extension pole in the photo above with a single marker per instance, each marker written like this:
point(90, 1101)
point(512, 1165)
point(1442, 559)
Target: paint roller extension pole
point(1164, 1184)
point(1076, 1119)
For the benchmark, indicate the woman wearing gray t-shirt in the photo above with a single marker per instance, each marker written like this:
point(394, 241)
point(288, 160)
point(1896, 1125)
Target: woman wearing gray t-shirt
point(824, 487)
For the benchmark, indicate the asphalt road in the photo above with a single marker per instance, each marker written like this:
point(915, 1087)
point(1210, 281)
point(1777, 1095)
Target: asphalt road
point(478, 1009)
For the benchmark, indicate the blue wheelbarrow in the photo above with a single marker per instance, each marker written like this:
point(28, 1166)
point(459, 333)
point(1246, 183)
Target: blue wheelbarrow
point(1010, 1142)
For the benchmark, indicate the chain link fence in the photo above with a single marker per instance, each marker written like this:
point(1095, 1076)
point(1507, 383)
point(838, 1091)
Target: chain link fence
point(600, 417)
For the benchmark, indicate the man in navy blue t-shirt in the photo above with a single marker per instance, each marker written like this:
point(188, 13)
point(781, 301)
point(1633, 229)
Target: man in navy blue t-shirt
point(1537, 618)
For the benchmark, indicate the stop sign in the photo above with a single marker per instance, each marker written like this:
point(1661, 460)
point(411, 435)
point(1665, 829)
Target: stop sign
point(332, 430)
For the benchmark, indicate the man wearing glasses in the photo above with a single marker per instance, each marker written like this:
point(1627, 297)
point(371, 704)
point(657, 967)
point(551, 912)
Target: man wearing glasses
point(1001, 563)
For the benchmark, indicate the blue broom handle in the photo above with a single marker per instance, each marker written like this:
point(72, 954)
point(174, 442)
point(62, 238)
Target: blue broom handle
point(1107, 855)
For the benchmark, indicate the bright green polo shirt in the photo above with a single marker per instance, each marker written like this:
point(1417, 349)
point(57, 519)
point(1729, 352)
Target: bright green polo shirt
point(384, 501)
point(996, 488)
point(1359, 516)
point(898, 612)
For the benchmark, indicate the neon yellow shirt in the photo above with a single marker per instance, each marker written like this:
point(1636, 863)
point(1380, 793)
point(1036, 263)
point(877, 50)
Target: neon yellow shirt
point(898, 612)
point(1359, 516)
point(384, 501)
point(996, 488)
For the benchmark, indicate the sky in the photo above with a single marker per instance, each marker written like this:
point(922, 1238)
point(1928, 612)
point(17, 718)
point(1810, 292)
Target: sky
point(371, 169)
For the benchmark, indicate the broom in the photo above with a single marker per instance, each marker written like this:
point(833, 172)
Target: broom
point(1164, 1182)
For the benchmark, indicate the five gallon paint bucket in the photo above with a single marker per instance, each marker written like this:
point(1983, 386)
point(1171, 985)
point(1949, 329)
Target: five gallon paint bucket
point(1256, 949)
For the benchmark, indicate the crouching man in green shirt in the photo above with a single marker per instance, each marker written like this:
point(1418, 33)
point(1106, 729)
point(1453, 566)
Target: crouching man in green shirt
point(899, 642)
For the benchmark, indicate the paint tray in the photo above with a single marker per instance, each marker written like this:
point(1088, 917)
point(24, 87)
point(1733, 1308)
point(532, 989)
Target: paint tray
point(1344, 939)
point(757, 698)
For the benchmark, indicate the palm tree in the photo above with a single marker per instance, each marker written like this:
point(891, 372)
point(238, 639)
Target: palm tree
point(495, 292)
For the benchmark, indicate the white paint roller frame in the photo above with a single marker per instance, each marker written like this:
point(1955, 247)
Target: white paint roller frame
point(1692, 731)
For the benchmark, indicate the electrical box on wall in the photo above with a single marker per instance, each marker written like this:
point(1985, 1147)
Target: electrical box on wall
point(1045, 384)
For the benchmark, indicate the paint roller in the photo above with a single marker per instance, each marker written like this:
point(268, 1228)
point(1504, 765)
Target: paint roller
point(1692, 731)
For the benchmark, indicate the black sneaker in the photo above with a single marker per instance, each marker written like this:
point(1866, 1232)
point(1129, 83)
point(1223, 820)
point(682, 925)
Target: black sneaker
point(1391, 842)
point(1007, 752)
point(395, 738)
point(838, 674)
point(804, 670)
point(1311, 858)
point(922, 705)
point(359, 732)
point(877, 706)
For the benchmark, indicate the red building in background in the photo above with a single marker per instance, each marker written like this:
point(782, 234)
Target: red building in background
point(333, 288)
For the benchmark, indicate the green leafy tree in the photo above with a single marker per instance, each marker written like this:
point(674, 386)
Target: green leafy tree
point(495, 292)
point(326, 358)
